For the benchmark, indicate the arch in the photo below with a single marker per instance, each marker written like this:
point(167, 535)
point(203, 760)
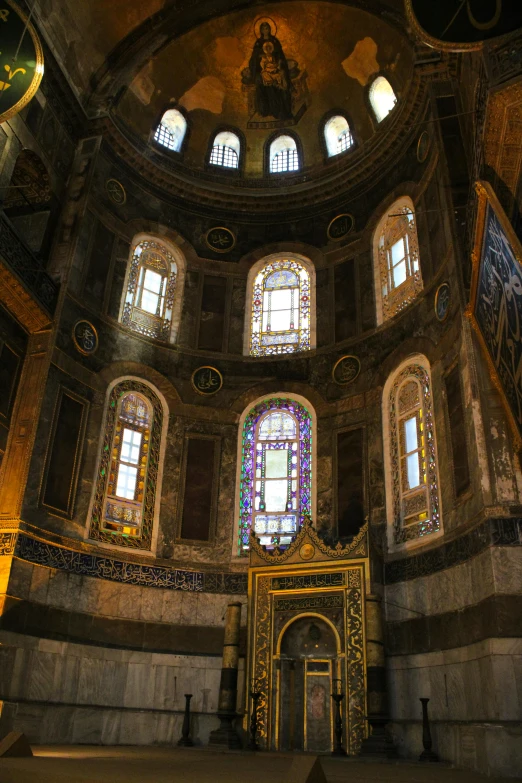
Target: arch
point(124, 509)
point(226, 150)
point(337, 135)
point(283, 154)
point(411, 463)
point(276, 525)
point(382, 97)
point(396, 262)
point(171, 130)
point(153, 288)
point(302, 616)
point(288, 283)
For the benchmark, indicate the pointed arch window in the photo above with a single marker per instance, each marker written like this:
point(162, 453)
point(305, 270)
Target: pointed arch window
point(398, 277)
point(276, 472)
point(283, 155)
point(151, 290)
point(414, 508)
point(226, 150)
point(337, 135)
point(171, 131)
point(281, 309)
point(382, 97)
point(126, 483)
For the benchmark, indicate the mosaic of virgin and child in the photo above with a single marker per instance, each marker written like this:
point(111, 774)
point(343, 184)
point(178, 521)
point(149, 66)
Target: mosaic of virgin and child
point(274, 82)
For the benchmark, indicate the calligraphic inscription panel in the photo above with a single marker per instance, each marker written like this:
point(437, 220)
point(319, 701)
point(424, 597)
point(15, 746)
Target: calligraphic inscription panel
point(498, 310)
point(307, 581)
point(312, 602)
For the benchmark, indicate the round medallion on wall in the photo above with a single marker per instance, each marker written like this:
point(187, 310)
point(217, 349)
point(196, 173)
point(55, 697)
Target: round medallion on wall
point(116, 191)
point(206, 380)
point(307, 551)
point(346, 370)
point(340, 226)
point(85, 337)
point(220, 239)
point(22, 61)
point(442, 301)
point(423, 146)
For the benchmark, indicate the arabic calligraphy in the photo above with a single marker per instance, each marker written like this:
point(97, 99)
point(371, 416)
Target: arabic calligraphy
point(220, 239)
point(21, 60)
point(464, 22)
point(346, 370)
point(309, 602)
point(207, 380)
point(340, 226)
point(498, 310)
point(85, 337)
point(305, 581)
point(442, 301)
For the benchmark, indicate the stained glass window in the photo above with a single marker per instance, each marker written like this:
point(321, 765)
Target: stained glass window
point(382, 97)
point(276, 472)
point(171, 130)
point(416, 509)
point(280, 309)
point(337, 135)
point(151, 289)
point(283, 155)
point(124, 500)
point(225, 150)
point(398, 278)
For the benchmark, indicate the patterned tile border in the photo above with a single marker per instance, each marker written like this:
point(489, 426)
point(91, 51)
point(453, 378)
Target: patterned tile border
point(52, 556)
point(493, 532)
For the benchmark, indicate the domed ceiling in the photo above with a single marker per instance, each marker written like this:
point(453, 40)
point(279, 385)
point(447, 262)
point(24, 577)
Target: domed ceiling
point(332, 51)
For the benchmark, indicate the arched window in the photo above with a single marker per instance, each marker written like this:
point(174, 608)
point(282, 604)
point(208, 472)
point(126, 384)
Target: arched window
point(337, 135)
point(283, 155)
point(226, 150)
point(382, 97)
point(126, 484)
point(411, 469)
point(151, 291)
point(276, 472)
point(171, 130)
point(398, 277)
point(281, 308)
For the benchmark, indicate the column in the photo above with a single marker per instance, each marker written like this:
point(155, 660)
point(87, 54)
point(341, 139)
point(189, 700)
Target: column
point(226, 735)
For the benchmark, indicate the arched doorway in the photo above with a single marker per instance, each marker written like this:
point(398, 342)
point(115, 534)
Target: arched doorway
point(308, 661)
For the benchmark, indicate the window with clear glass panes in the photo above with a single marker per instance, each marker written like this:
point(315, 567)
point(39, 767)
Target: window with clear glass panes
point(171, 131)
point(337, 135)
point(280, 309)
point(382, 97)
point(276, 472)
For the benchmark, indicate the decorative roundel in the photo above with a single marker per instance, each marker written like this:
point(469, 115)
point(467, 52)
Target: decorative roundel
point(116, 191)
point(307, 551)
point(220, 239)
point(346, 370)
point(206, 380)
point(22, 61)
point(423, 146)
point(340, 226)
point(85, 337)
point(442, 301)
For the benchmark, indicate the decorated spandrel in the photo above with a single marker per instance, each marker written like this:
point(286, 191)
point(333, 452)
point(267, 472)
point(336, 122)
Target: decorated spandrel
point(21, 60)
point(496, 299)
point(276, 472)
point(280, 309)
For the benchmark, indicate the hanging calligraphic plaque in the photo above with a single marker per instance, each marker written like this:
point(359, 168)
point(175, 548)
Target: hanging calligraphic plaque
point(340, 227)
point(495, 306)
point(21, 60)
point(442, 301)
point(116, 191)
point(463, 25)
point(85, 337)
point(220, 239)
point(346, 370)
point(206, 380)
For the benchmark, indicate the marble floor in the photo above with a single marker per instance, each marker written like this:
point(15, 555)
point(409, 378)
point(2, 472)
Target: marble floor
point(85, 764)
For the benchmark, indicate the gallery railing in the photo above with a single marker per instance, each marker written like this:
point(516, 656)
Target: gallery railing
point(27, 268)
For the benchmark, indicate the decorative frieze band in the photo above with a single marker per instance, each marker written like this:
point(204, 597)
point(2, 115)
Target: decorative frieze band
point(51, 556)
point(309, 602)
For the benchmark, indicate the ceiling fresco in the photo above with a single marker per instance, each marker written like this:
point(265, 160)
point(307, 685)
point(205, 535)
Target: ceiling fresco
point(280, 65)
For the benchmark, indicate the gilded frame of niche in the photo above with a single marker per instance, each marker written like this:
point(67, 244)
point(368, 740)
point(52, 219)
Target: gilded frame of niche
point(264, 639)
point(487, 198)
point(214, 495)
point(69, 511)
point(96, 531)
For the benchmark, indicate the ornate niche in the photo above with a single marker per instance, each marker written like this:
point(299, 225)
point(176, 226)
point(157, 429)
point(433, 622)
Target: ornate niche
point(307, 629)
